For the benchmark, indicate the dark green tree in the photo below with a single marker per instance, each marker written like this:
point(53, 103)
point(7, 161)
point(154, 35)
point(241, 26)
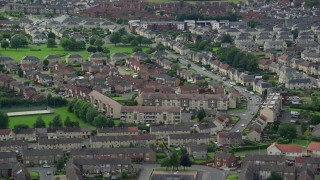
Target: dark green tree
point(4, 44)
point(60, 163)
point(275, 176)
point(295, 33)
point(45, 63)
point(226, 38)
point(4, 120)
point(21, 126)
point(51, 35)
point(51, 43)
point(201, 114)
point(91, 114)
point(99, 42)
point(56, 121)
point(92, 40)
point(287, 130)
point(20, 72)
point(185, 161)
point(115, 38)
point(39, 123)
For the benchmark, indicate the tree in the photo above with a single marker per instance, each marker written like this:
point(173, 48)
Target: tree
point(56, 121)
point(69, 123)
point(315, 120)
point(265, 77)
point(92, 49)
point(91, 114)
point(174, 159)
point(165, 162)
point(4, 44)
point(18, 40)
point(60, 163)
point(39, 123)
point(21, 126)
point(253, 23)
point(51, 35)
point(134, 43)
point(4, 120)
point(106, 50)
point(185, 161)
point(100, 121)
point(99, 42)
point(115, 38)
point(20, 72)
point(71, 104)
point(226, 38)
point(92, 40)
point(295, 33)
point(51, 43)
point(45, 63)
point(201, 114)
point(275, 176)
point(287, 130)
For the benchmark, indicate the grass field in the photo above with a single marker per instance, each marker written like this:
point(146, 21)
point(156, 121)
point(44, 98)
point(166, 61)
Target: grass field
point(233, 176)
point(34, 175)
point(44, 51)
point(301, 142)
point(30, 120)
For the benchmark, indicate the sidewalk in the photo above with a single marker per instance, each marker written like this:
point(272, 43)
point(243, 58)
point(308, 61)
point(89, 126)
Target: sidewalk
point(24, 113)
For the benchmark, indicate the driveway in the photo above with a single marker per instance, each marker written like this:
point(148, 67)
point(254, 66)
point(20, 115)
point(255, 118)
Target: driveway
point(43, 172)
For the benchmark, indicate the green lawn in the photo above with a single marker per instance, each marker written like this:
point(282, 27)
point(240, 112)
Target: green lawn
point(29, 120)
point(34, 175)
point(232, 176)
point(119, 98)
point(237, 110)
point(116, 122)
point(301, 142)
point(44, 51)
point(234, 119)
point(200, 161)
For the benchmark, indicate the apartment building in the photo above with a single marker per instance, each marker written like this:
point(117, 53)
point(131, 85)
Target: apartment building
point(62, 143)
point(162, 132)
point(271, 107)
point(70, 132)
point(151, 114)
point(105, 105)
point(185, 101)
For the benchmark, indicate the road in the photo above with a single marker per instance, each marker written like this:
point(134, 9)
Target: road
point(252, 105)
point(207, 172)
point(43, 172)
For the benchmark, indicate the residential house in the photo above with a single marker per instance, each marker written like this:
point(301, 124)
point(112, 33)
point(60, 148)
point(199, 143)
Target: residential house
point(162, 132)
point(254, 133)
point(299, 84)
point(277, 45)
point(208, 127)
point(6, 134)
point(197, 151)
point(62, 143)
point(117, 131)
point(69, 132)
point(225, 160)
point(25, 134)
point(122, 141)
point(74, 59)
point(246, 80)
point(264, 159)
point(313, 149)
point(181, 139)
point(42, 156)
point(271, 107)
point(140, 56)
point(289, 150)
point(260, 86)
point(229, 138)
point(13, 145)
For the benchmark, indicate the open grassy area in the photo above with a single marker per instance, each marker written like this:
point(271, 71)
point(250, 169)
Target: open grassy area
point(210, 158)
point(237, 110)
point(301, 142)
point(234, 119)
point(119, 98)
point(234, 176)
point(30, 120)
point(43, 51)
point(34, 175)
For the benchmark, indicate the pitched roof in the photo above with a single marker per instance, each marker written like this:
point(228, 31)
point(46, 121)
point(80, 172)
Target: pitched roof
point(287, 147)
point(314, 146)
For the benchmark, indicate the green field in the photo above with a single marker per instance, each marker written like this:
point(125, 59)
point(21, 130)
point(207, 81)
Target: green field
point(29, 120)
point(43, 51)
point(233, 176)
point(34, 175)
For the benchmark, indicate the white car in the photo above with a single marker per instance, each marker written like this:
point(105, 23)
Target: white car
point(242, 125)
point(238, 130)
point(46, 166)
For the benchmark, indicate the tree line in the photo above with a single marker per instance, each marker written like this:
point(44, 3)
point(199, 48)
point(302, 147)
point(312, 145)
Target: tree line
point(238, 59)
point(71, 44)
point(175, 159)
point(86, 112)
point(122, 36)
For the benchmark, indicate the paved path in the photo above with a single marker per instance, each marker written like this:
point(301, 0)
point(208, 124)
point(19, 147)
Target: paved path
point(24, 113)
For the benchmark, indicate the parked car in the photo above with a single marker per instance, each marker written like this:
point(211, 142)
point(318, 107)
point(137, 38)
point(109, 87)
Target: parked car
point(48, 173)
point(46, 166)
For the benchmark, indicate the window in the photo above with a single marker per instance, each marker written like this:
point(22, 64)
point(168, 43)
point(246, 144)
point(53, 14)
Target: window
point(135, 116)
point(164, 116)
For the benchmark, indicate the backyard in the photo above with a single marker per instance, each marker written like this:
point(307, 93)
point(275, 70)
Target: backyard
point(42, 51)
point(30, 120)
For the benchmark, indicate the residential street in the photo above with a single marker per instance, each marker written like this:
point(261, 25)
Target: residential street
point(252, 106)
